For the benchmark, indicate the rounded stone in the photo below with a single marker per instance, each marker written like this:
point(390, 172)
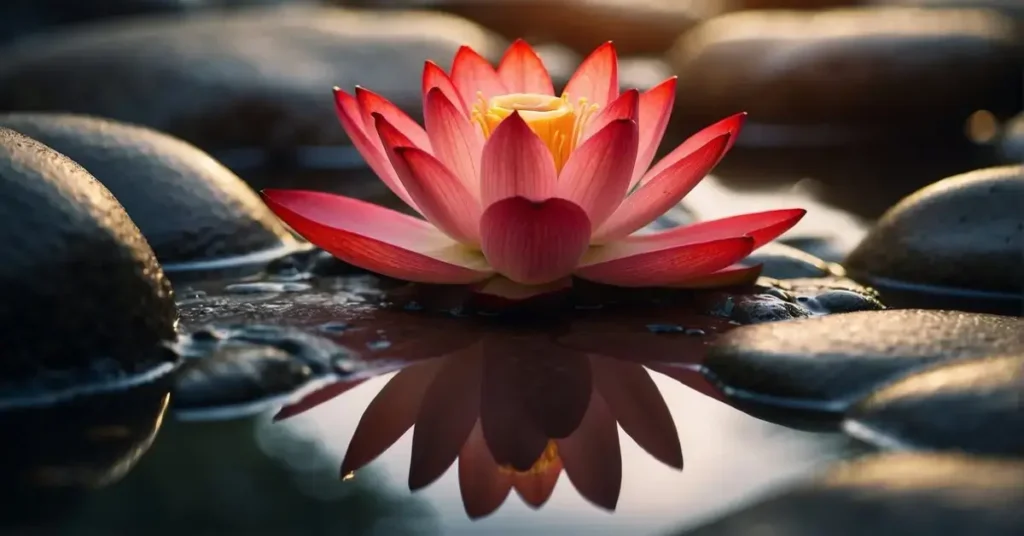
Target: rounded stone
point(965, 232)
point(887, 70)
point(891, 495)
point(780, 261)
point(256, 79)
point(972, 407)
point(84, 299)
point(1011, 145)
point(193, 211)
point(831, 362)
point(236, 375)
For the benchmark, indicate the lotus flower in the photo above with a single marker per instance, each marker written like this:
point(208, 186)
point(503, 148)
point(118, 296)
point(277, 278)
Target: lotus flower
point(513, 181)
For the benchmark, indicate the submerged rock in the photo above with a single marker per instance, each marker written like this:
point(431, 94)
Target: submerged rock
point(86, 306)
point(254, 78)
point(237, 375)
point(891, 495)
point(193, 211)
point(831, 362)
point(973, 407)
point(960, 238)
point(858, 67)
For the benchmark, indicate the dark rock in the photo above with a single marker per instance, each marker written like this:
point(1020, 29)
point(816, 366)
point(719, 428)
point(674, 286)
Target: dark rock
point(929, 70)
point(254, 78)
point(892, 495)
point(831, 362)
point(1012, 143)
point(237, 375)
point(320, 355)
point(965, 233)
point(84, 299)
point(780, 261)
point(1012, 8)
point(973, 407)
point(189, 207)
point(832, 295)
point(772, 300)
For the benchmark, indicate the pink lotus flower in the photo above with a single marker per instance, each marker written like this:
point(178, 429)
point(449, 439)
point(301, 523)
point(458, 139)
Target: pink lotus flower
point(513, 181)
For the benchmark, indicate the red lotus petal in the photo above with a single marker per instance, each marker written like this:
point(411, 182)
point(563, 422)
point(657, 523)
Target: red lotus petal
point(368, 144)
point(534, 243)
point(377, 239)
point(522, 71)
point(597, 174)
point(450, 409)
point(661, 266)
point(591, 456)
point(624, 107)
point(435, 77)
point(637, 405)
point(661, 193)
point(456, 142)
point(471, 73)
point(371, 104)
point(730, 125)
point(482, 483)
point(655, 111)
point(390, 415)
point(735, 275)
point(516, 162)
point(317, 397)
point(536, 489)
point(763, 227)
point(441, 195)
point(597, 78)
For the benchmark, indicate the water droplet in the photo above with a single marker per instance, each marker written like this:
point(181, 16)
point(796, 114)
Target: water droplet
point(378, 345)
point(348, 476)
point(696, 332)
point(664, 328)
point(334, 327)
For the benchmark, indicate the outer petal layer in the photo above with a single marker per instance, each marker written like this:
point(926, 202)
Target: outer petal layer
point(534, 243)
point(377, 239)
point(442, 196)
point(597, 78)
point(663, 267)
point(456, 142)
point(435, 77)
point(373, 104)
point(655, 110)
point(730, 125)
point(522, 71)
point(763, 227)
point(597, 174)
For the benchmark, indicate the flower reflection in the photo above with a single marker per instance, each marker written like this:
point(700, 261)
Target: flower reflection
point(518, 406)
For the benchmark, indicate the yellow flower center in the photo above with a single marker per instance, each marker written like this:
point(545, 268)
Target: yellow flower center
point(557, 122)
point(540, 466)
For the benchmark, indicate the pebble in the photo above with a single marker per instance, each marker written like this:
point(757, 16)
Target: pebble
point(831, 362)
point(972, 407)
point(191, 209)
point(961, 234)
point(780, 261)
point(79, 282)
point(237, 374)
point(862, 68)
point(891, 495)
point(253, 80)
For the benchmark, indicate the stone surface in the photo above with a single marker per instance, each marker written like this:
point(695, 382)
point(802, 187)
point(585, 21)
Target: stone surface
point(237, 374)
point(891, 495)
point(188, 206)
point(258, 78)
point(965, 232)
point(785, 262)
point(1011, 145)
point(636, 26)
point(874, 68)
point(82, 290)
point(975, 407)
point(833, 361)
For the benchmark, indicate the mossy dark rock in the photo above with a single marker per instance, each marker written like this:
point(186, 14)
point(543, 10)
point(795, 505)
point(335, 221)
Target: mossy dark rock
point(189, 207)
point(83, 294)
point(833, 361)
point(864, 68)
point(964, 232)
point(891, 495)
point(256, 78)
point(972, 407)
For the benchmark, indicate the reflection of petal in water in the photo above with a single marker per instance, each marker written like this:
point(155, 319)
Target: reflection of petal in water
point(513, 436)
point(536, 486)
point(449, 410)
point(390, 415)
point(637, 405)
point(316, 397)
point(591, 456)
point(636, 338)
point(482, 484)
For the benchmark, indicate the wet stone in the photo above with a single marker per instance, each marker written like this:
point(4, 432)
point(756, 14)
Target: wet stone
point(831, 362)
point(772, 300)
point(320, 355)
point(253, 80)
point(851, 68)
point(237, 374)
point(1012, 144)
point(973, 407)
point(780, 261)
point(265, 287)
point(962, 234)
point(891, 495)
point(82, 293)
point(191, 209)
